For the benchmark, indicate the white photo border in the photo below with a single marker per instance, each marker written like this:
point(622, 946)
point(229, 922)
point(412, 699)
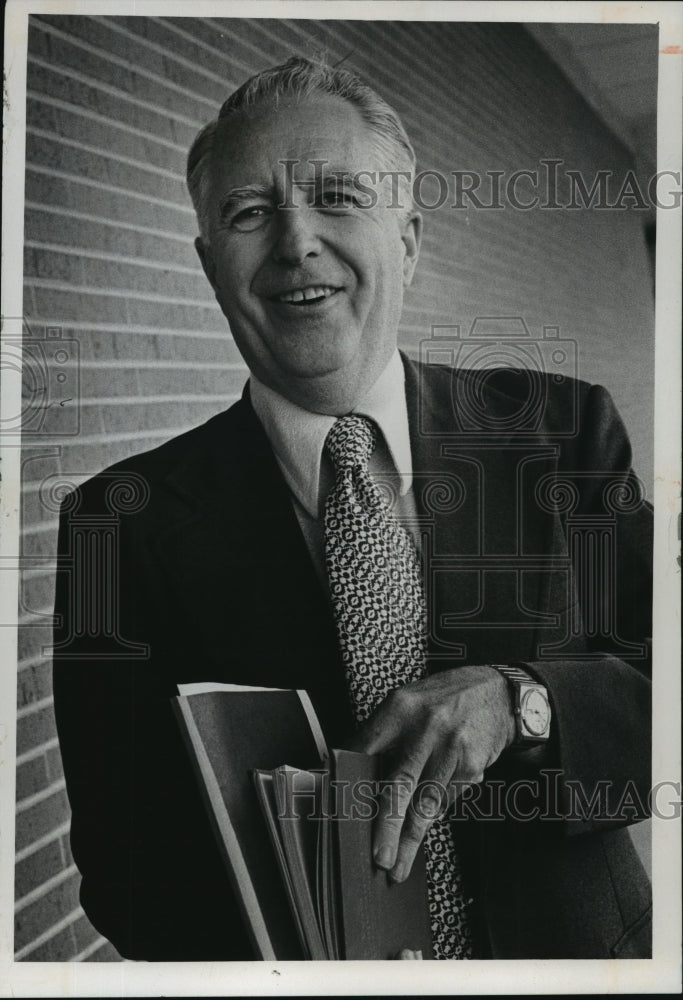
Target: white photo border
point(660, 974)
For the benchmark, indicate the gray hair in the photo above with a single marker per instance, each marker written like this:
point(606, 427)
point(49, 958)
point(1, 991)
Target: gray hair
point(300, 77)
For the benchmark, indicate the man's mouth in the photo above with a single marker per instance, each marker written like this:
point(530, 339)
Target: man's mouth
point(306, 296)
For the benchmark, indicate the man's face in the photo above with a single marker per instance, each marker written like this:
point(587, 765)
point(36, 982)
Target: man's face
point(313, 292)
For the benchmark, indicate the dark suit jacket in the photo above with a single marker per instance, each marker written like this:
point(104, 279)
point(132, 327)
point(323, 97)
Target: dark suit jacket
point(187, 563)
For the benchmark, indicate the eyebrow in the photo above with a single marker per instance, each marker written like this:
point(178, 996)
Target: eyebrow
point(237, 196)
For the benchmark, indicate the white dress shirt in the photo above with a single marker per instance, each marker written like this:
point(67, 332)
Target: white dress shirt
point(297, 437)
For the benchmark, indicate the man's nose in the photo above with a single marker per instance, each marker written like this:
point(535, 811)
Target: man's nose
point(296, 235)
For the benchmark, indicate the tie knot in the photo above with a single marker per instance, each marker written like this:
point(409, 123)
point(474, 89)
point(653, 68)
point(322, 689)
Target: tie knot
point(350, 442)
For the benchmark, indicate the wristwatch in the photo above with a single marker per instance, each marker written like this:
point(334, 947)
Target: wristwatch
point(530, 703)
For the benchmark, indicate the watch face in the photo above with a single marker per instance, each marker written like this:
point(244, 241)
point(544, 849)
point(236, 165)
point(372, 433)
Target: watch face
point(535, 712)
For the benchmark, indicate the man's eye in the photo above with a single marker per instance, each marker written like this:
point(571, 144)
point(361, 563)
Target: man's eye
point(250, 218)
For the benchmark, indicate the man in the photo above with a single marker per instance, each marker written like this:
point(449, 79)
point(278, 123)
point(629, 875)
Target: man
point(232, 564)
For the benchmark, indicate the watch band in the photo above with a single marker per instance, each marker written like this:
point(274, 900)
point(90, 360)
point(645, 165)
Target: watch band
point(520, 681)
point(514, 673)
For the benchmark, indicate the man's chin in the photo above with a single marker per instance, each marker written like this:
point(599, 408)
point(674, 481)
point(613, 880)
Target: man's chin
point(329, 386)
point(308, 359)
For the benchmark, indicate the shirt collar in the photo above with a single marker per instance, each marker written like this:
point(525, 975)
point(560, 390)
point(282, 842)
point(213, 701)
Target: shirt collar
point(297, 436)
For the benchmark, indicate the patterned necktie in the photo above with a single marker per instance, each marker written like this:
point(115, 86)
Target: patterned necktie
point(377, 595)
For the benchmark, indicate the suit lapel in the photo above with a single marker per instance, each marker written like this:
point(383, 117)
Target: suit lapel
point(241, 567)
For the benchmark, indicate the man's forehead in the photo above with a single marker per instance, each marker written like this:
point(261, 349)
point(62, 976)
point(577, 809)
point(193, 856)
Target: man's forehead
point(302, 134)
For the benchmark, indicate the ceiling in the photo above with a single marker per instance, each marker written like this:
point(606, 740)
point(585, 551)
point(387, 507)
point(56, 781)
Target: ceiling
point(614, 67)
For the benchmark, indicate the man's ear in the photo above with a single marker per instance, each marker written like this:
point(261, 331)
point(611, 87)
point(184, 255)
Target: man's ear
point(412, 238)
point(208, 263)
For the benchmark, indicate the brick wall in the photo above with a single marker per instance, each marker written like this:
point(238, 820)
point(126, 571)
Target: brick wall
point(113, 104)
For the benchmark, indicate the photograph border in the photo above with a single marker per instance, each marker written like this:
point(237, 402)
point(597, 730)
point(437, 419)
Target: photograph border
point(660, 974)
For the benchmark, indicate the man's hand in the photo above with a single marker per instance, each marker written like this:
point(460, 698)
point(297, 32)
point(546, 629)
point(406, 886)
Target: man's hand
point(446, 728)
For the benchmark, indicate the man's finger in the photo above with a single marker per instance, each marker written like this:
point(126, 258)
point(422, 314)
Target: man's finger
point(396, 793)
point(430, 800)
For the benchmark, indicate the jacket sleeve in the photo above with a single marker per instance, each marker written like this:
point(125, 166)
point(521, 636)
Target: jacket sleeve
point(601, 728)
point(152, 880)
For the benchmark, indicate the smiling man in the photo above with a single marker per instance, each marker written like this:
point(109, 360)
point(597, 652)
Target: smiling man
point(349, 528)
point(312, 291)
